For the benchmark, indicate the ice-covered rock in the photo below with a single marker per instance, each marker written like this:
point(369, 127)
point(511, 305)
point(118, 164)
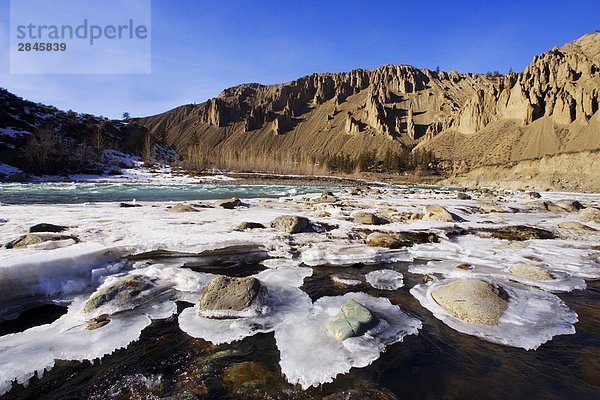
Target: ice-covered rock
point(285, 302)
point(532, 316)
point(229, 204)
point(472, 300)
point(226, 297)
point(433, 212)
point(37, 238)
point(300, 336)
point(290, 223)
point(367, 218)
point(125, 293)
point(354, 319)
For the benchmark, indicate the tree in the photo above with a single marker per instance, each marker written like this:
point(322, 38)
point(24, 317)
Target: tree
point(126, 116)
point(437, 69)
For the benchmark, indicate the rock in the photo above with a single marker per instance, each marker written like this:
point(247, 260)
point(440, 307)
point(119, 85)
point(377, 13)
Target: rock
point(530, 272)
point(570, 205)
point(533, 195)
point(122, 291)
point(472, 300)
point(354, 319)
point(326, 197)
point(97, 322)
point(590, 214)
point(519, 232)
point(368, 218)
point(387, 239)
point(562, 206)
point(249, 374)
point(325, 214)
point(37, 238)
point(290, 223)
point(181, 208)
point(229, 294)
point(47, 228)
point(464, 266)
point(490, 206)
point(129, 205)
point(438, 213)
point(576, 225)
point(463, 196)
point(229, 203)
point(250, 225)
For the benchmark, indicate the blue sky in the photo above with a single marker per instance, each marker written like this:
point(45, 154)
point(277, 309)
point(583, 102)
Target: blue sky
point(202, 47)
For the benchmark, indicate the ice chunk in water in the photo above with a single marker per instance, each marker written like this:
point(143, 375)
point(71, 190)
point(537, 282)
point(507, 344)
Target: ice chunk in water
point(310, 356)
point(385, 279)
point(532, 318)
point(344, 254)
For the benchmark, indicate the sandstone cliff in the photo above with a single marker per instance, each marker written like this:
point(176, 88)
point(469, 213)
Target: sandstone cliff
point(473, 119)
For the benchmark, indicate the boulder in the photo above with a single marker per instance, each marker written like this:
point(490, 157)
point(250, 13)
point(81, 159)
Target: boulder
point(533, 195)
point(181, 208)
point(97, 322)
point(387, 239)
point(229, 203)
point(326, 197)
point(250, 225)
point(368, 218)
point(124, 291)
point(224, 293)
point(354, 319)
point(463, 196)
point(576, 225)
point(562, 206)
point(570, 205)
point(129, 205)
point(37, 238)
point(290, 223)
point(530, 272)
point(472, 300)
point(590, 214)
point(47, 228)
point(434, 212)
point(519, 232)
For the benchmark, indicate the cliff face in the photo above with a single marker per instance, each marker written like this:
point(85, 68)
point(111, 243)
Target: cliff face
point(549, 108)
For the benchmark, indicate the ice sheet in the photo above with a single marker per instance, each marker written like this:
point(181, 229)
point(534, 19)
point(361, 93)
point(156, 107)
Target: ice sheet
point(385, 279)
point(310, 356)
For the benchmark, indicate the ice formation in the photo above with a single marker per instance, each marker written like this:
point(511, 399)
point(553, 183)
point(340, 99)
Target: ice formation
point(34, 278)
point(310, 356)
point(532, 318)
point(26, 353)
point(561, 282)
point(385, 279)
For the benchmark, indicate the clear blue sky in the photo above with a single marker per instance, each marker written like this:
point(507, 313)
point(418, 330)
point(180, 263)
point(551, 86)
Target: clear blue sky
point(202, 47)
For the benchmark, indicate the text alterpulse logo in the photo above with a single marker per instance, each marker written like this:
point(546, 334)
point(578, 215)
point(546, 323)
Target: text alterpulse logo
point(80, 37)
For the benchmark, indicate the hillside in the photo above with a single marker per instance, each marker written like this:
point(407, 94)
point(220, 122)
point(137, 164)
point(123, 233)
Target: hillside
point(472, 119)
point(41, 139)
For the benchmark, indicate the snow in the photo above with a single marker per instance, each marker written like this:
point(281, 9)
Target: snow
point(299, 337)
point(532, 318)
